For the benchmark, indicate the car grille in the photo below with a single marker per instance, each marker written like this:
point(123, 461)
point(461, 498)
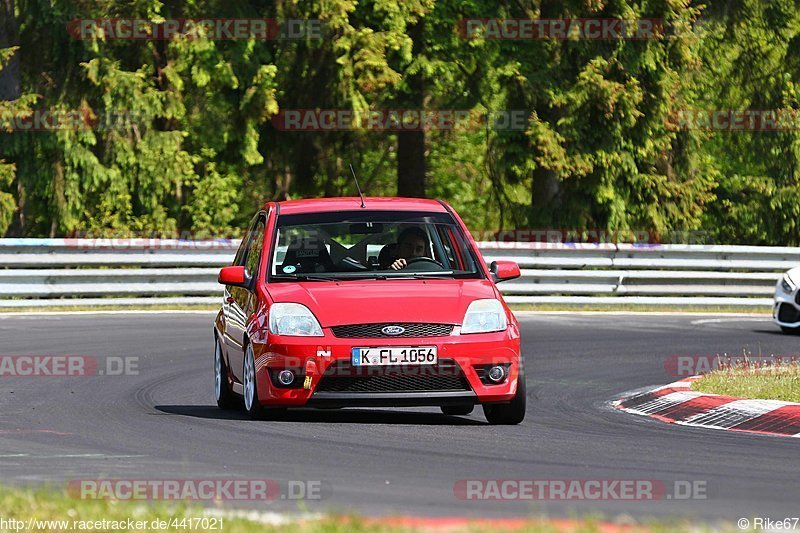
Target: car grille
point(788, 314)
point(374, 330)
point(446, 375)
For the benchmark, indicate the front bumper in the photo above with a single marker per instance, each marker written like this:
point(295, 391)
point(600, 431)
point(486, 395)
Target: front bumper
point(393, 399)
point(315, 359)
point(786, 309)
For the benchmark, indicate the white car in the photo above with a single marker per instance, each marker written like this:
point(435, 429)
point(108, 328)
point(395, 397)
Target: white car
point(786, 311)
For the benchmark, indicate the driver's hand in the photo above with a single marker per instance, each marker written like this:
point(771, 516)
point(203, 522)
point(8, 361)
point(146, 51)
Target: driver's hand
point(398, 264)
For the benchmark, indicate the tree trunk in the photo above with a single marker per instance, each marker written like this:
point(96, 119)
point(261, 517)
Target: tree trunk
point(411, 164)
point(545, 189)
point(411, 144)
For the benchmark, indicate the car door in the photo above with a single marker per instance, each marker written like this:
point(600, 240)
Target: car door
point(240, 302)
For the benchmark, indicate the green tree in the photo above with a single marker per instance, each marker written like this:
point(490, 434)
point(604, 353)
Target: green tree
point(751, 63)
point(599, 152)
point(173, 118)
point(10, 111)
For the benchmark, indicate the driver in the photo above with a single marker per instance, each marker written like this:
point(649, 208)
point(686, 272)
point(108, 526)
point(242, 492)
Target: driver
point(412, 242)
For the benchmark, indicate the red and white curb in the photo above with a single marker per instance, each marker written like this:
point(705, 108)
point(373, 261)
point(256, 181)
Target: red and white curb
point(677, 403)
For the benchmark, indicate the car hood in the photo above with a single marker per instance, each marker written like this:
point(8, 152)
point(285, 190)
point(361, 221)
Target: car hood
point(399, 300)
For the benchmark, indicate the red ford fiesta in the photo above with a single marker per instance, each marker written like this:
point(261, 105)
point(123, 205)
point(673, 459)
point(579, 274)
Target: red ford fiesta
point(339, 303)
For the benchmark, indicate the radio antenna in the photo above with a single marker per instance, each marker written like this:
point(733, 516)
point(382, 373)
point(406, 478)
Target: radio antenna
point(357, 185)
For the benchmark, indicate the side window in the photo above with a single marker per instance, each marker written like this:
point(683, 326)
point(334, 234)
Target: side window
point(255, 246)
point(454, 248)
point(238, 260)
point(242, 251)
point(447, 244)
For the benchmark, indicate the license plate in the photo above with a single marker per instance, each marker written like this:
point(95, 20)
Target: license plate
point(394, 355)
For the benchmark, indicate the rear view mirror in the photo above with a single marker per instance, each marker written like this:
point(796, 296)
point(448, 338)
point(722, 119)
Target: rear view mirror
point(366, 228)
point(235, 276)
point(504, 270)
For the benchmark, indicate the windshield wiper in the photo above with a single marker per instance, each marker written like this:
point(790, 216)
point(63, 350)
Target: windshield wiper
point(423, 275)
point(301, 277)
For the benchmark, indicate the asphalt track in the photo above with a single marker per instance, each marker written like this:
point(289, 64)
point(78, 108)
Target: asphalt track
point(162, 423)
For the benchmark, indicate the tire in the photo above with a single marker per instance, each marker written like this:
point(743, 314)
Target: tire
point(511, 413)
point(457, 410)
point(250, 386)
point(222, 387)
point(790, 331)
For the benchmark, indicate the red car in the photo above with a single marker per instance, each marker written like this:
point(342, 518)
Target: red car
point(338, 303)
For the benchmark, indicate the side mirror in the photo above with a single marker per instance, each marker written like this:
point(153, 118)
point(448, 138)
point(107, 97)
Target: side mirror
point(235, 276)
point(504, 270)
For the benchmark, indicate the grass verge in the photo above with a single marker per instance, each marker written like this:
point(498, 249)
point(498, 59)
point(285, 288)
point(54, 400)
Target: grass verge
point(40, 510)
point(745, 380)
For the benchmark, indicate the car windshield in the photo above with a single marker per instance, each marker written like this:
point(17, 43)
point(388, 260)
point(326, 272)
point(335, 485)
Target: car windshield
point(370, 244)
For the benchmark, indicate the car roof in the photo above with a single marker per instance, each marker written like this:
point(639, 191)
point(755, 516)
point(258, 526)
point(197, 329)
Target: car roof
point(352, 203)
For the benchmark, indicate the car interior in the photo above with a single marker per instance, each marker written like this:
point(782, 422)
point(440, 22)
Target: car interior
point(363, 247)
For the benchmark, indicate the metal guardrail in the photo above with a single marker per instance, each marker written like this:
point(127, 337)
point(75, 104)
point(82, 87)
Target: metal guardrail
point(96, 272)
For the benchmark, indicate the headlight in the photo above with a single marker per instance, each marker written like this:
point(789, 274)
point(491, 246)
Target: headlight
point(484, 316)
point(293, 319)
point(786, 284)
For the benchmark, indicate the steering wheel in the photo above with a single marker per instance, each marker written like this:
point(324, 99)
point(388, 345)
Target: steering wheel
point(413, 260)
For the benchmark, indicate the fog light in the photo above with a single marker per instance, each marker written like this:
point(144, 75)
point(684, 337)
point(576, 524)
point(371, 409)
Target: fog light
point(497, 374)
point(286, 377)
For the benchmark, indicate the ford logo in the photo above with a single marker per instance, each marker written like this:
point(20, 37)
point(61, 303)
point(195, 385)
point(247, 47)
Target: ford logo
point(393, 330)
